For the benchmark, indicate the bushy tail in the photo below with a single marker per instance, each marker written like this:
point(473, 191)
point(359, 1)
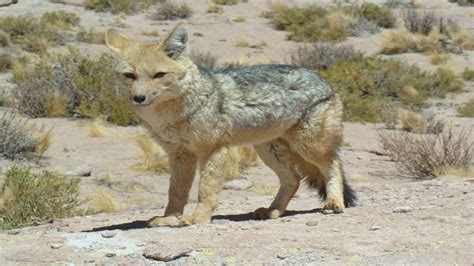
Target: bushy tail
point(315, 180)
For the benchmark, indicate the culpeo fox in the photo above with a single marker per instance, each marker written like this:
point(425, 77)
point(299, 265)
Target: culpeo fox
point(289, 114)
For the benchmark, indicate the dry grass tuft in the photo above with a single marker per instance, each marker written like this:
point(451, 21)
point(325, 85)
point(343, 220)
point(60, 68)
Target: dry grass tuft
point(409, 92)
point(439, 58)
point(400, 41)
point(44, 142)
point(169, 10)
point(413, 122)
point(428, 155)
point(58, 106)
point(241, 42)
point(239, 19)
point(97, 128)
point(215, 9)
point(226, 2)
point(104, 202)
point(152, 33)
point(264, 189)
point(154, 159)
point(466, 109)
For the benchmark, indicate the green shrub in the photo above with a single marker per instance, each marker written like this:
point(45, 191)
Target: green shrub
point(463, 2)
point(366, 83)
point(381, 15)
point(31, 199)
point(466, 109)
point(119, 6)
point(6, 62)
point(99, 90)
point(4, 39)
point(468, 74)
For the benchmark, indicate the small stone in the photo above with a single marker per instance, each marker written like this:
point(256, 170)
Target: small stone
point(282, 256)
point(220, 221)
point(198, 34)
point(285, 219)
point(238, 184)
point(13, 232)
point(335, 230)
point(312, 223)
point(402, 209)
point(165, 253)
point(82, 170)
point(140, 244)
point(108, 234)
point(375, 228)
point(110, 254)
point(56, 246)
point(89, 260)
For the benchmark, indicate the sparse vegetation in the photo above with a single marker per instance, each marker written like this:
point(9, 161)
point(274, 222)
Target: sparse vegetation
point(154, 159)
point(91, 36)
point(33, 198)
point(466, 109)
point(314, 23)
point(413, 122)
point(226, 2)
point(4, 39)
point(97, 128)
point(428, 155)
point(119, 6)
point(169, 10)
point(104, 202)
point(6, 62)
point(60, 19)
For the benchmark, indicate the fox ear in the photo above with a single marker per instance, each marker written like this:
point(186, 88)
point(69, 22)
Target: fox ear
point(115, 40)
point(176, 42)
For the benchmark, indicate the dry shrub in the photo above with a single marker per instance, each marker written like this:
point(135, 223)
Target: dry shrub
point(320, 55)
point(60, 19)
point(18, 137)
point(439, 58)
point(169, 10)
point(33, 198)
point(44, 141)
point(154, 159)
point(226, 2)
point(400, 41)
point(204, 59)
point(427, 155)
point(4, 39)
point(6, 62)
point(419, 22)
point(104, 202)
point(243, 61)
point(118, 6)
point(239, 19)
point(412, 122)
point(389, 115)
point(463, 2)
point(468, 74)
point(434, 125)
point(90, 36)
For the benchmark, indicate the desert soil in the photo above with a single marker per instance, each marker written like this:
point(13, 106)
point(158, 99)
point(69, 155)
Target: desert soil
point(398, 220)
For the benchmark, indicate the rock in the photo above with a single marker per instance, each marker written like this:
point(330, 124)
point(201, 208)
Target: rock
point(110, 254)
point(282, 256)
point(402, 209)
point(56, 246)
point(88, 260)
point(198, 34)
point(108, 234)
point(165, 253)
point(286, 219)
point(82, 170)
point(375, 228)
point(312, 223)
point(238, 184)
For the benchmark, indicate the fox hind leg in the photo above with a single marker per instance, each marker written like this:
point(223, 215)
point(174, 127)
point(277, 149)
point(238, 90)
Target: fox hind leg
point(277, 155)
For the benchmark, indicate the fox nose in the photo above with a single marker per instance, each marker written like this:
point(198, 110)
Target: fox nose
point(139, 98)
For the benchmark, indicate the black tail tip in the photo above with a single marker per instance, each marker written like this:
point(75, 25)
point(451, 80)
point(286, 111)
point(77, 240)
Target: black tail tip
point(350, 197)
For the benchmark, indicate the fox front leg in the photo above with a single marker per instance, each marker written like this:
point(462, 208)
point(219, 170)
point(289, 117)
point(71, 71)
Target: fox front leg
point(183, 169)
point(210, 185)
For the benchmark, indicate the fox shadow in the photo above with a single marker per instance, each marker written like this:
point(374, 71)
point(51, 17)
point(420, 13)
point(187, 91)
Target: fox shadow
point(142, 224)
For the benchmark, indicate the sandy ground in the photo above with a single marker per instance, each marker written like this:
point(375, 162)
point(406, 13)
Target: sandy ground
point(398, 220)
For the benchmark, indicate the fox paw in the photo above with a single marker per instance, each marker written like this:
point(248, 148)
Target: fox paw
point(333, 206)
point(267, 213)
point(163, 221)
point(192, 219)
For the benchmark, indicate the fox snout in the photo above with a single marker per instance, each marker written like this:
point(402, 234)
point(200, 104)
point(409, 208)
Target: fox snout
point(139, 99)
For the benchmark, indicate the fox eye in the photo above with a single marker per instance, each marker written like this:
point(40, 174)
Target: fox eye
point(159, 75)
point(129, 76)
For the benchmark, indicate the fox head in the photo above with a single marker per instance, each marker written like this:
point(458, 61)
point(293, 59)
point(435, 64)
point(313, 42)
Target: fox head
point(153, 71)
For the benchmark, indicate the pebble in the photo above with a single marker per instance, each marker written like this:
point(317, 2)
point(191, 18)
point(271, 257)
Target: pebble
point(375, 228)
point(312, 223)
point(238, 184)
point(165, 253)
point(56, 246)
point(89, 260)
point(402, 209)
point(110, 254)
point(108, 234)
point(82, 170)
